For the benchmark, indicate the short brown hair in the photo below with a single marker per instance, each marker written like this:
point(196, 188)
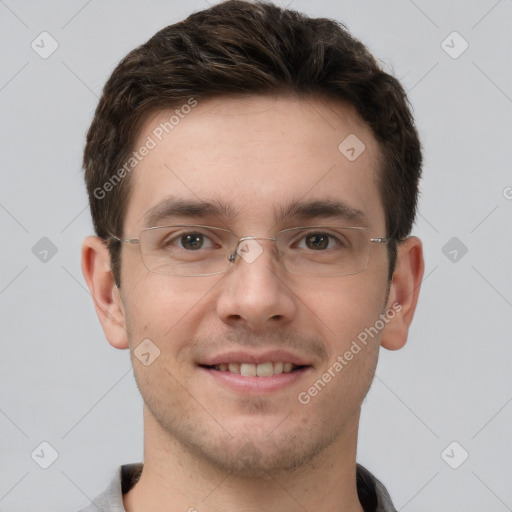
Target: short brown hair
point(237, 48)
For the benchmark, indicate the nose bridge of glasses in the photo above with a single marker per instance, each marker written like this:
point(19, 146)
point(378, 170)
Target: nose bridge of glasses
point(248, 248)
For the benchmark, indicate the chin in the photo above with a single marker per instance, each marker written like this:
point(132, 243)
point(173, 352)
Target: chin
point(259, 450)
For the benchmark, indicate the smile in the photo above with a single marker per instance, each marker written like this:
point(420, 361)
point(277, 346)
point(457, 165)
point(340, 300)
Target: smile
point(256, 370)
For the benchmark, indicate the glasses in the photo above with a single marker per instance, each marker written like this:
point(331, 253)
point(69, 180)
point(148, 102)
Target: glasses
point(194, 250)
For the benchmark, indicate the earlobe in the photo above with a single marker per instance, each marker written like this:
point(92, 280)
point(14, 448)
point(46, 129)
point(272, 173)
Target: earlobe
point(104, 292)
point(404, 292)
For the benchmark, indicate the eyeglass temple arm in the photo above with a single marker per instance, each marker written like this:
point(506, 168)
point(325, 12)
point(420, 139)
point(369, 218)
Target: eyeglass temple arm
point(388, 239)
point(125, 240)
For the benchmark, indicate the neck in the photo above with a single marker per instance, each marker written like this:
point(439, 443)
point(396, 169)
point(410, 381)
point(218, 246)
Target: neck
point(175, 479)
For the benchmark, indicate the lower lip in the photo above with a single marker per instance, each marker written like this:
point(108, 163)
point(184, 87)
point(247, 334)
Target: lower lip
point(255, 385)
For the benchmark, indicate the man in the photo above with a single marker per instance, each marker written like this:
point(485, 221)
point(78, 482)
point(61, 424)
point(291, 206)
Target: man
point(253, 179)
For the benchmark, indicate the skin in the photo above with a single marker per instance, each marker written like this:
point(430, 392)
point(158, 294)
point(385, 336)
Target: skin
point(254, 153)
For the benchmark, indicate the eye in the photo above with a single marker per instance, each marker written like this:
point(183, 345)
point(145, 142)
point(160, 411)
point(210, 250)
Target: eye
point(318, 241)
point(192, 241)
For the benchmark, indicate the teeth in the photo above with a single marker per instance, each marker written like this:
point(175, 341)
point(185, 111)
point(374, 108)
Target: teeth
point(248, 370)
point(265, 370)
point(253, 370)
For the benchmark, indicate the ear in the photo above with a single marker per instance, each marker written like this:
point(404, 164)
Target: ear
point(104, 292)
point(403, 293)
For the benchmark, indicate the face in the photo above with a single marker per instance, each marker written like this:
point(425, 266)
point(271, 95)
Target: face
point(257, 156)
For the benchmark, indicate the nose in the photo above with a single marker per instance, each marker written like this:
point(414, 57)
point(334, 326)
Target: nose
point(254, 293)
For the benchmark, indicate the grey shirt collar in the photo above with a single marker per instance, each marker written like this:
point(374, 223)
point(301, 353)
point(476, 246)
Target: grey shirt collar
point(372, 494)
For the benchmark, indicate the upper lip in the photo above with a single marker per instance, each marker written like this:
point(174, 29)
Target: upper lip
point(255, 358)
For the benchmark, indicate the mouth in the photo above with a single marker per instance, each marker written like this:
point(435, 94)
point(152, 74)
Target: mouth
point(250, 374)
point(267, 369)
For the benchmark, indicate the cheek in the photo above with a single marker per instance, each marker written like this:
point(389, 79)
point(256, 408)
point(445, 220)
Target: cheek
point(157, 314)
point(165, 309)
point(343, 307)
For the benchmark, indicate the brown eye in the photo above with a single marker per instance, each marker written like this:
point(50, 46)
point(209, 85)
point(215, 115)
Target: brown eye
point(317, 241)
point(192, 241)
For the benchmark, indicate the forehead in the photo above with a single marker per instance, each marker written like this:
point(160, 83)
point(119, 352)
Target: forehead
point(255, 159)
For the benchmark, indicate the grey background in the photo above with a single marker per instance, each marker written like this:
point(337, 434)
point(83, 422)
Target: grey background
point(61, 381)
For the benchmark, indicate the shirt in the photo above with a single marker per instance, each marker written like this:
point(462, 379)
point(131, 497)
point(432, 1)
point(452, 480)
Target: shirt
point(371, 492)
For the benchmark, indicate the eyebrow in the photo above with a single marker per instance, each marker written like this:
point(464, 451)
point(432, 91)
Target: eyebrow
point(327, 209)
point(170, 207)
